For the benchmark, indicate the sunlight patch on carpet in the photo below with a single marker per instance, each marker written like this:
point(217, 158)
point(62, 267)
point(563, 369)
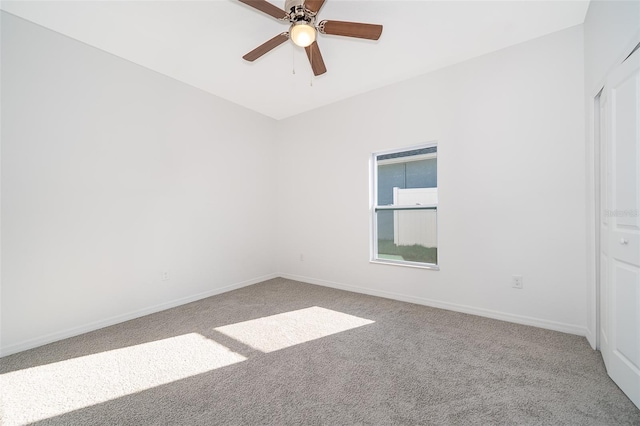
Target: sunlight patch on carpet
point(281, 331)
point(50, 390)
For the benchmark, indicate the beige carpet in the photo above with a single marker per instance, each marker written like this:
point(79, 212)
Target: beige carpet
point(283, 352)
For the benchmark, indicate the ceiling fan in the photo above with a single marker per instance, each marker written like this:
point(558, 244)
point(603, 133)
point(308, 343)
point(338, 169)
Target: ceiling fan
point(301, 14)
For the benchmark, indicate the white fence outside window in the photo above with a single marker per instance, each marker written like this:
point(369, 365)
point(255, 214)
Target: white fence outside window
point(415, 226)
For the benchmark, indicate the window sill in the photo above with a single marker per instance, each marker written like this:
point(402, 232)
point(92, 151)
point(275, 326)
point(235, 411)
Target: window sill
point(406, 264)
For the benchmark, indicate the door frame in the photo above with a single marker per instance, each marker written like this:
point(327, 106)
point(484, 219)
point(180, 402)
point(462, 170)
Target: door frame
point(597, 211)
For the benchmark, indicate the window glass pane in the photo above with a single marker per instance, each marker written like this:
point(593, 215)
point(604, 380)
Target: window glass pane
point(422, 174)
point(390, 176)
point(407, 179)
point(408, 235)
point(385, 225)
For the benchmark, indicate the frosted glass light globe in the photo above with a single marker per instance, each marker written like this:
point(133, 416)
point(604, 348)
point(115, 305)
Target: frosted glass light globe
point(302, 35)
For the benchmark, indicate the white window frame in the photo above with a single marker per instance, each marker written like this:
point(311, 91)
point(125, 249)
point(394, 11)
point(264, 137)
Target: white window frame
point(374, 207)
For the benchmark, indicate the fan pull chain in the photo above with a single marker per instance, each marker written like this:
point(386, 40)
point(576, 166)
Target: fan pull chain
point(311, 62)
point(293, 60)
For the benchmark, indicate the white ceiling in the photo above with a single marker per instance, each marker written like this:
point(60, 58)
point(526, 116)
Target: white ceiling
point(202, 42)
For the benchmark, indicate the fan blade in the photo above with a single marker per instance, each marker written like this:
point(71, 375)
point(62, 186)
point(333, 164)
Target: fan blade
point(266, 7)
point(351, 29)
point(314, 5)
point(315, 59)
point(266, 47)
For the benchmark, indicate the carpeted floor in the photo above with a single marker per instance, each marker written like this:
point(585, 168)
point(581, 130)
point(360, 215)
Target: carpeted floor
point(283, 352)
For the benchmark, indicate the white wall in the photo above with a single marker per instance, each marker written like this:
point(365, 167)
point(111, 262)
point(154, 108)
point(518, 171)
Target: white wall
point(611, 30)
point(111, 174)
point(510, 128)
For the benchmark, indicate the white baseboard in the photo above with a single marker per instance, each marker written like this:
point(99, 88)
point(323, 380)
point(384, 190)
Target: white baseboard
point(75, 331)
point(518, 319)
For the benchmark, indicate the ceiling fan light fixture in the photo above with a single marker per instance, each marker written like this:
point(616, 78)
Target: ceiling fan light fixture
point(301, 17)
point(302, 34)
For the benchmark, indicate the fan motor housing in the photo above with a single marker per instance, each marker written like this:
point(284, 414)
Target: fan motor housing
point(298, 12)
point(293, 4)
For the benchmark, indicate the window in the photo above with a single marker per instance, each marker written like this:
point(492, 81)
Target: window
point(405, 207)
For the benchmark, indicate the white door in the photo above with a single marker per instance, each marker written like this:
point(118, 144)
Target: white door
point(620, 227)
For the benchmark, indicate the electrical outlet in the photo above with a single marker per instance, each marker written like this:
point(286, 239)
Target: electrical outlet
point(516, 281)
point(164, 275)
